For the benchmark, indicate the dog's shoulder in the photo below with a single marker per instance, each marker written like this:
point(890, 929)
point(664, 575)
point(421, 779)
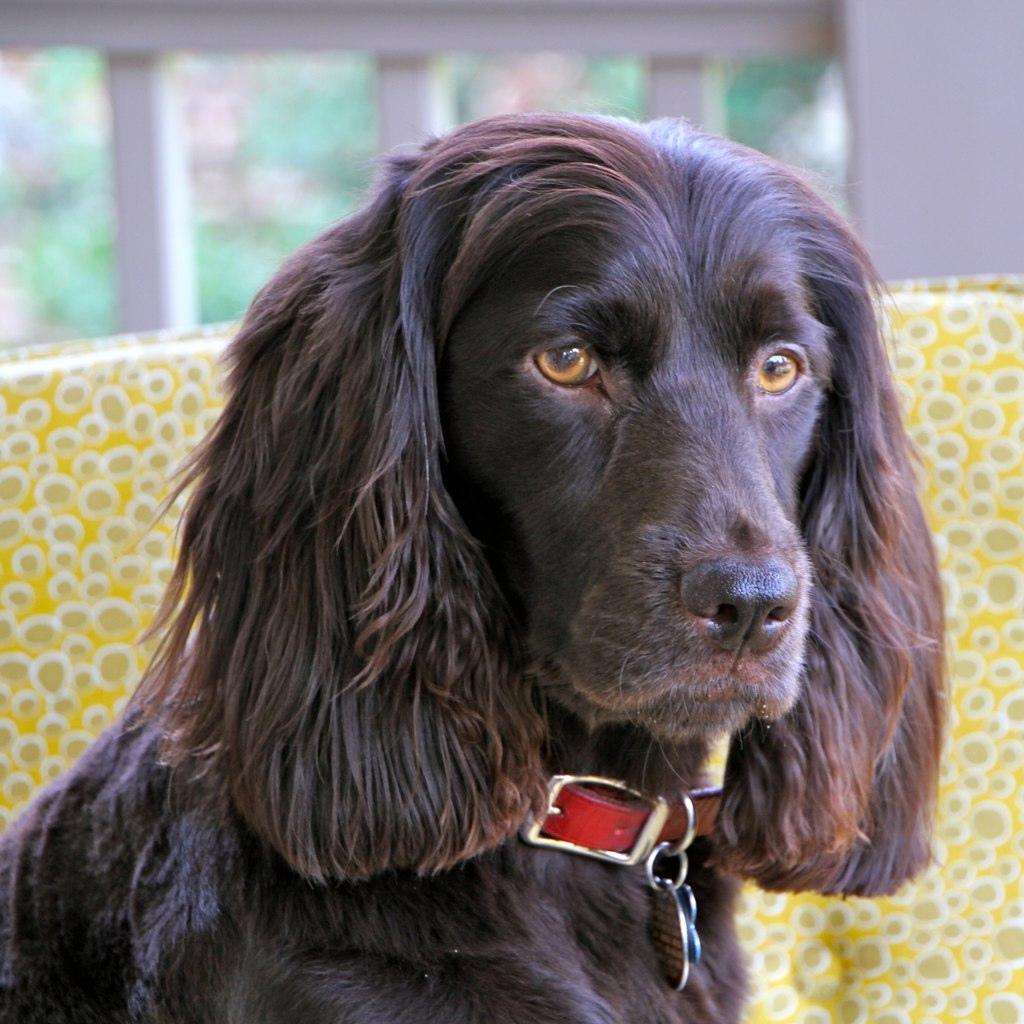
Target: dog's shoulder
point(106, 868)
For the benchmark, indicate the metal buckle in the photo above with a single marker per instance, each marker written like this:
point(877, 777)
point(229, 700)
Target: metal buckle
point(645, 841)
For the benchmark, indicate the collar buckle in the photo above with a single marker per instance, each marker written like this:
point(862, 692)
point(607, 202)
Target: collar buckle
point(646, 840)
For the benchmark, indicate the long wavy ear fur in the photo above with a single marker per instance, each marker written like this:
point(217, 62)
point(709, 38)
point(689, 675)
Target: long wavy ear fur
point(838, 795)
point(334, 647)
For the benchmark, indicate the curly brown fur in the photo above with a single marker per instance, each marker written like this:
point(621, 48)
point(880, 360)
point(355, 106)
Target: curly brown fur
point(417, 577)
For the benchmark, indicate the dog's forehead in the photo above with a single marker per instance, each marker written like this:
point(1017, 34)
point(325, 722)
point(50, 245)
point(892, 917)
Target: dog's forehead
point(632, 294)
point(723, 247)
point(694, 247)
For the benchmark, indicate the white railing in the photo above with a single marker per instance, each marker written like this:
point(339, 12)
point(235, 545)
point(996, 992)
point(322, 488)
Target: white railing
point(916, 40)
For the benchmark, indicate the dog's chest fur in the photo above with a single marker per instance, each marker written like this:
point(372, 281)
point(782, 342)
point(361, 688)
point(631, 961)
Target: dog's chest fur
point(520, 935)
point(184, 919)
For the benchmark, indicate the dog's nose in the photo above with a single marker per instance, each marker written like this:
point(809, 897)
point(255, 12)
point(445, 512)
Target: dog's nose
point(740, 603)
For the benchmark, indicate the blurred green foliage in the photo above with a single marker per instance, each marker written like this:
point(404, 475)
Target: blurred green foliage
point(306, 143)
point(279, 147)
point(483, 85)
point(760, 95)
point(56, 227)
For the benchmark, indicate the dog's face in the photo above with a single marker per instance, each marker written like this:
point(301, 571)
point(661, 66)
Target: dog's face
point(626, 417)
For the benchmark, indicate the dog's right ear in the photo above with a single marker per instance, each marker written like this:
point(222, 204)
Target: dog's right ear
point(334, 645)
point(838, 795)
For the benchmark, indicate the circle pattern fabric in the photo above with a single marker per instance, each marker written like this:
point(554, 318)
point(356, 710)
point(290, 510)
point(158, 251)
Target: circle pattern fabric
point(90, 434)
point(950, 946)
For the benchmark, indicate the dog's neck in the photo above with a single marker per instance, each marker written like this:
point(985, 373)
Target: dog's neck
point(626, 752)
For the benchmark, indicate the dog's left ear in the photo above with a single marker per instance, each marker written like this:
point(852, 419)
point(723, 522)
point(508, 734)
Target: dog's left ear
point(336, 656)
point(838, 795)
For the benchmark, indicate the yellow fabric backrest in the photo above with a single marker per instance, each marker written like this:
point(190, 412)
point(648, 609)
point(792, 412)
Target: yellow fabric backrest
point(89, 434)
point(949, 947)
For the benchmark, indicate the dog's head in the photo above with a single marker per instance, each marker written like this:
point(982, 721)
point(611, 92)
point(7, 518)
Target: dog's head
point(574, 410)
point(630, 381)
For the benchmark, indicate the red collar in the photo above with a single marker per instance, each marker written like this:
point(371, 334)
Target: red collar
point(606, 819)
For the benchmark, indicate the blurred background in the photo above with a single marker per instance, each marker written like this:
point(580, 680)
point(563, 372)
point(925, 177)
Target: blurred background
point(157, 172)
point(280, 146)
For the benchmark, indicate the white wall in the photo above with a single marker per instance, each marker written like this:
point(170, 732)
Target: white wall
point(936, 89)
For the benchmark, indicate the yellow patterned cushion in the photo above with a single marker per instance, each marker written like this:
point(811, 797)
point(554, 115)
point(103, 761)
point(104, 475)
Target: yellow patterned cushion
point(89, 432)
point(951, 946)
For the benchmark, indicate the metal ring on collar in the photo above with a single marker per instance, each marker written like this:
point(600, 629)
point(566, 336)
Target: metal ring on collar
point(666, 850)
point(691, 825)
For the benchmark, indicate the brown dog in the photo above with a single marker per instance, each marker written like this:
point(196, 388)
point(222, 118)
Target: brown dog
point(573, 450)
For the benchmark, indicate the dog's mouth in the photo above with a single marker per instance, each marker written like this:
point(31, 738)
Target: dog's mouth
point(678, 709)
point(676, 701)
point(633, 652)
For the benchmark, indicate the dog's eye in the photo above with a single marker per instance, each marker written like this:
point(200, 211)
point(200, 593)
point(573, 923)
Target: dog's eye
point(569, 366)
point(778, 373)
